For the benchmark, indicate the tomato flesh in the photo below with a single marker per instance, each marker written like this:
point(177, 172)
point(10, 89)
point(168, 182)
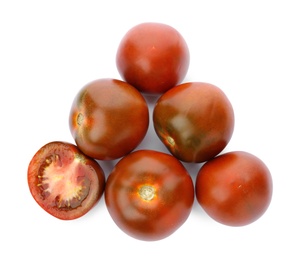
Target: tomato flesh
point(63, 181)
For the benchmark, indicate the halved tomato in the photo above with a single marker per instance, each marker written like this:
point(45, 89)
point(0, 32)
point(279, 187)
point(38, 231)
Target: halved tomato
point(65, 182)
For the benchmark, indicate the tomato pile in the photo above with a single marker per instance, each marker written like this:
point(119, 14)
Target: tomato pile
point(150, 194)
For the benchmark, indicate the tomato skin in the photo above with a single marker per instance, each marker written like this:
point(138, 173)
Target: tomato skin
point(63, 181)
point(234, 188)
point(153, 57)
point(108, 119)
point(194, 120)
point(165, 211)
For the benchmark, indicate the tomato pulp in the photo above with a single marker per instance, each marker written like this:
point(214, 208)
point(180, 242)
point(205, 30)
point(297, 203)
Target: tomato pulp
point(65, 182)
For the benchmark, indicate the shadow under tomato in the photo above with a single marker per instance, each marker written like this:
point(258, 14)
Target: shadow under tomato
point(193, 169)
point(107, 166)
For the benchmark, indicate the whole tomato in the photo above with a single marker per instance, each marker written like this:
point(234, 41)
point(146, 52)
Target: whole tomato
point(63, 181)
point(234, 188)
point(108, 119)
point(153, 57)
point(194, 120)
point(149, 194)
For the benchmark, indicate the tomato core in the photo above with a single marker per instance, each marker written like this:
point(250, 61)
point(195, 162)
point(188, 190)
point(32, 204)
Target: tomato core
point(171, 141)
point(80, 119)
point(147, 192)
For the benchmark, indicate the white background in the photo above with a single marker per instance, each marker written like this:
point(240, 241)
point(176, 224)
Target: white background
point(50, 49)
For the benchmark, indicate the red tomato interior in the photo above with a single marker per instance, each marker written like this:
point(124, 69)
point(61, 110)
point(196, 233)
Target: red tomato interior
point(63, 181)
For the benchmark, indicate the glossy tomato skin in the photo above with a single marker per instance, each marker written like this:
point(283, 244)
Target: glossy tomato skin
point(194, 120)
point(234, 188)
point(63, 181)
point(149, 194)
point(153, 57)
point(108, 119)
